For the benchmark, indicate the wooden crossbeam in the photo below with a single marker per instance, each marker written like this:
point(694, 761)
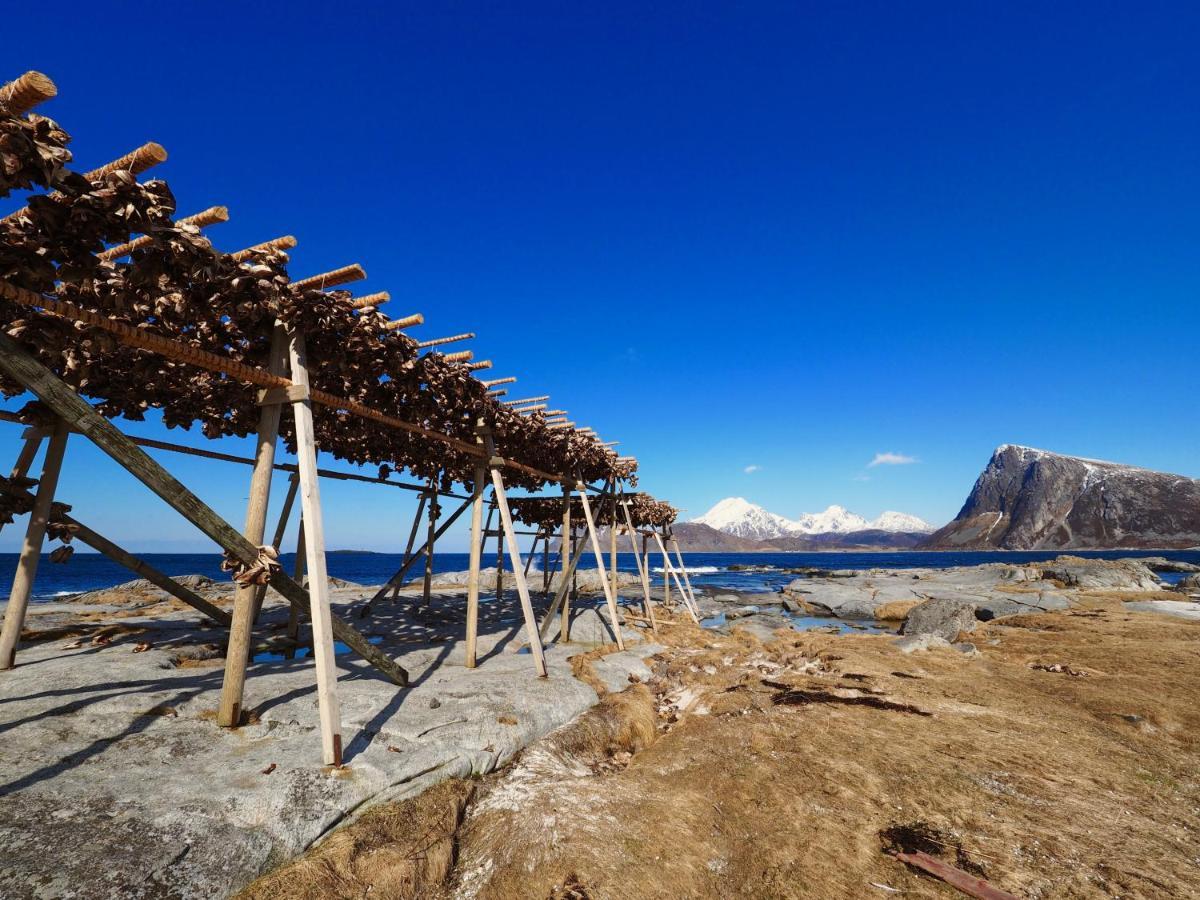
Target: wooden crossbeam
point(344, 275)
point(527, 400)
point(210, 216)
point(558, 426)
point(498, 393)
point(406, 322)
point(24, 93)
point(370, 300)
point(462, 356)
point(480, 364)
point(495, 382)
point(437, 342)
point(529, 410)
point(286, 242)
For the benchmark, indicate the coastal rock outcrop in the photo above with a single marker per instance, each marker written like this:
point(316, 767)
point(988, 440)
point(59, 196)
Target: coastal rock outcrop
point(1029, 499)
point(942, 616)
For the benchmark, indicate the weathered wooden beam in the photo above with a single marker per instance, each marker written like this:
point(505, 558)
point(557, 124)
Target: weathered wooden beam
point(245, 608)
point(286, 242)
point(609, 597)
point(320, 615)
point(462, 356)
point(67, 404)
point(344, 275)
point(643, 574)
point(454, 338)
point(496, 382)
point(524, 400)
point(477, 366)
point(406, 322)
point(369, 301)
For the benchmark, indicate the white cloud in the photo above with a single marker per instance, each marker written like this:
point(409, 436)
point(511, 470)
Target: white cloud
point(891, 459)
point(750, 470)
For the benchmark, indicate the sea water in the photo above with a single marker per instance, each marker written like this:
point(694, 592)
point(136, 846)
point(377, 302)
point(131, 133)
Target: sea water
point(767, 573)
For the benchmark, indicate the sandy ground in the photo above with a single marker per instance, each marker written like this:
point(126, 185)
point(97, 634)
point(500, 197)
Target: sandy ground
point(1063, 760)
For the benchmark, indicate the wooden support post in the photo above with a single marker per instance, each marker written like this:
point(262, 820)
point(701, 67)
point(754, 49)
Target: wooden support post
point(293, 629)
point(314, 551)
point(546, 563)
point(612, 543)
point(412, 539)
point(473, 573)
point(562, 595)
point(427, 585)
point(669, 571)
point(642, 573)
point(566, 550)
point(31, 550)
point(500, 561)
point(245, 602)
point(65, 403)
point(514, 555)
point(609, 597)
point(687, 582)
point(285, 514)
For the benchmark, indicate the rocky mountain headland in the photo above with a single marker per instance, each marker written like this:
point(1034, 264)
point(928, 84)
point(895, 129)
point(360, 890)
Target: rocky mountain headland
point(1029, 499)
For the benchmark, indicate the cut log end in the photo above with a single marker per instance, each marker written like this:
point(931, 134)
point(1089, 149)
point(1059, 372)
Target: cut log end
point(26, 92)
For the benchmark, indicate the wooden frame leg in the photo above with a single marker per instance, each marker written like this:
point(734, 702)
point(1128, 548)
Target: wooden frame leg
point(642, 574)
point(566, 552)
point(514, 555)
point(245, 605)
point(29, 449)
point(473, 573)
point(31, 549)
point(609, 597)
point(669, 572)
point(432, 510)
point(687, 582)
point(293, 628)
point(314, 551)
point(285, 515)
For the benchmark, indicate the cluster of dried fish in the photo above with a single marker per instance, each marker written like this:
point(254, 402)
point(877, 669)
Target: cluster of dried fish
point(179, 287)
point(546, 513)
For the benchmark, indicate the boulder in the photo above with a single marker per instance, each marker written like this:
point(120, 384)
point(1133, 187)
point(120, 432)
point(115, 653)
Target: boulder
point(1189, 584)
point(1162, 564)
point(1101, 574)
point(942, 616)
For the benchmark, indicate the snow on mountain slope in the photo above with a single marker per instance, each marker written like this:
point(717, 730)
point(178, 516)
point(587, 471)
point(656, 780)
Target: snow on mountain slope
point(737, 516)
point(898, 521)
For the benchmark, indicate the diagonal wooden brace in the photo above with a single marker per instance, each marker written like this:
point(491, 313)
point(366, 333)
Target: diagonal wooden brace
point(52, 391)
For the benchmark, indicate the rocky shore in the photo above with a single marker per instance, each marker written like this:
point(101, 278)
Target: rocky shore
point(110, 748)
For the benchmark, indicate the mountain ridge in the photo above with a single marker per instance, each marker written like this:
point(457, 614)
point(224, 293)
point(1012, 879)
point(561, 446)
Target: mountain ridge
point(1031, 499)
point(741, 518)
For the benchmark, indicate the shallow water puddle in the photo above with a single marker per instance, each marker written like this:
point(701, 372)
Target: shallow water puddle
point(304, 652)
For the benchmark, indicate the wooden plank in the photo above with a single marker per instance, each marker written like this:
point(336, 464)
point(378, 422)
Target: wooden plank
point(609, 597)
point(314, 557)
point(965, 882)
point(31, 549)
point(64, 402)
point(29, 450)
point(514, 554)
point(245, 606)
point(472, 636)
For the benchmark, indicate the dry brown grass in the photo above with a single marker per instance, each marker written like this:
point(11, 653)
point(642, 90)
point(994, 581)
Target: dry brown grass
point(783, 770)
point(394, 852)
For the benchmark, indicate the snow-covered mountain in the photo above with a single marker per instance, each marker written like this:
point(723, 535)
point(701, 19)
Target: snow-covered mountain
point(738, 516)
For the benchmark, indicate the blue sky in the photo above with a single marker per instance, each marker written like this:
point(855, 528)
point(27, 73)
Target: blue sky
point(782, 236)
